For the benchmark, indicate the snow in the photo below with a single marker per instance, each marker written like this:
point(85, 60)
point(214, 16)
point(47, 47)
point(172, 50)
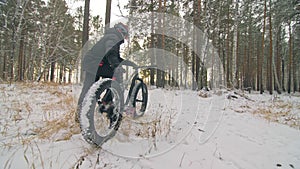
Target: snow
point(180, 129)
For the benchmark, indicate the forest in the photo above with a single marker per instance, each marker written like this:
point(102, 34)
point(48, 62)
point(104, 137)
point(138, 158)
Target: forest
point(257, 42)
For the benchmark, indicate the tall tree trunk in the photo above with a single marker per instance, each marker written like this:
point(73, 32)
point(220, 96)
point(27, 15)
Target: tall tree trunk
point(52, 71)
point(250, 66)
point(237, 59)
point(258, 71)
point(185, 55)
point(70, 76)
point(294, 66)
point(235, 55)
point(283, 74)
point(195, 59)
point(159, 78)
point(290, 59)
point(29, 64)
point(193, 69)
point(263, 47)
point(12, 56)
point(107, 13)
point(152, 57)
point(85, 31)
point(164, 42)
point(245, 68)
point(4, 73)
point(228, 56)
point(21, 59)
point(61, 73)
point(278, 77)
point(270, 52)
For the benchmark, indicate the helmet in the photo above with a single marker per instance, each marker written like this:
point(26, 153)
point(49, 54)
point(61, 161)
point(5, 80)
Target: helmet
point(123, 29)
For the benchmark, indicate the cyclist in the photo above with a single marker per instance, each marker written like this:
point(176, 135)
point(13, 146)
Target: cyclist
point(104, 59)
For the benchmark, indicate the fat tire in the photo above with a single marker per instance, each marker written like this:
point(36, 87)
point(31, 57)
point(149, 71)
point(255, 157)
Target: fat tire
point(88, 109)
point(139, 86)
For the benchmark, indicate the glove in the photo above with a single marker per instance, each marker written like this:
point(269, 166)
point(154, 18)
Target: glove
point(113, 58)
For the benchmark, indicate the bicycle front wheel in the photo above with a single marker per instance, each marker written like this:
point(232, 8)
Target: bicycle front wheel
point(100, 117)
point(139, 99)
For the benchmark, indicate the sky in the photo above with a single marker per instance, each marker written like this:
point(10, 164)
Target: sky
point(98, 8)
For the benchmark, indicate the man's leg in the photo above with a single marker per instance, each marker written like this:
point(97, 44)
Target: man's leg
point(106, 72)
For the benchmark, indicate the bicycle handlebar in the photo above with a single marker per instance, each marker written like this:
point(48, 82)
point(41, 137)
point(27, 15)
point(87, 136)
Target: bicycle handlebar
point(128, 63)
point(146, 67)
point(135, 66)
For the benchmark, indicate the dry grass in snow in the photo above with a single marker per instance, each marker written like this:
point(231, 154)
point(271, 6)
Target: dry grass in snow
point(38, 130)
point(284, 108)
point(54, 114)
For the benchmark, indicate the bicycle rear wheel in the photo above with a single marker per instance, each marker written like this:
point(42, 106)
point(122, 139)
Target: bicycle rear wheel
point(139, 99)
point(97, 124)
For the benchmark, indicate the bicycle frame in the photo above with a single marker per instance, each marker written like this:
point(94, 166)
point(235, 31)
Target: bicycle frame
point(134, 78)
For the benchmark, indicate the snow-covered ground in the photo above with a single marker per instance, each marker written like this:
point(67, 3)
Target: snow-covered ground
point(179, 130)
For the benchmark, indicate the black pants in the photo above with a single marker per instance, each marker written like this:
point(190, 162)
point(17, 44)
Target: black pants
point(105, 71)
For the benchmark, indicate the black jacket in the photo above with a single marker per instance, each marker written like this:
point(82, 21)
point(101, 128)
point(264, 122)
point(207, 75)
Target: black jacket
point(107, 49)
